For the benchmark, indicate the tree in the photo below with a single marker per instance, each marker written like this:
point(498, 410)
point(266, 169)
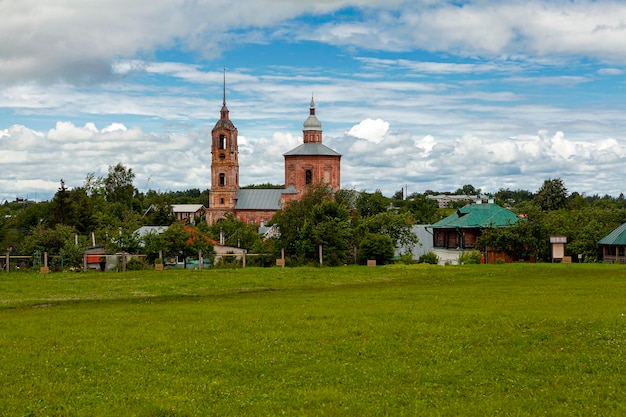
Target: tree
point(62, 205)
point(398, 227)
point(378, 247)
point(370, 204)
point(236, 233)
point(330, 228)
point(424, 210)
point(160, 211)
point(552, 195)
point(42, 239)
point(315, 220)
point(186, 241)
point(467, 189)
point(118, 185)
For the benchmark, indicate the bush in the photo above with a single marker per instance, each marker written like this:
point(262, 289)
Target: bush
point(135, 264)
point(471, 257)
point(429, 258)
point(375, 246)
point(406, 259)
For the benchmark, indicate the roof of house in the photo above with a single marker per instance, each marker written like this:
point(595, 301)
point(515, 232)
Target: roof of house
point(186, 208)
point(315, 149)
point(616, 237)
point(478, 216)
point(259, 199)
point(146, 230)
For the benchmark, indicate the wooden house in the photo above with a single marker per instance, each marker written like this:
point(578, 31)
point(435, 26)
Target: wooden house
point(614, 245)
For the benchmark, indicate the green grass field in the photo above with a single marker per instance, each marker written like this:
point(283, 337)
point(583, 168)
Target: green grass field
point(483, 340)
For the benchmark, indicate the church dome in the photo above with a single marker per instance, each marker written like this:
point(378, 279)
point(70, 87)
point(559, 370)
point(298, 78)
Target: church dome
point(312, 122)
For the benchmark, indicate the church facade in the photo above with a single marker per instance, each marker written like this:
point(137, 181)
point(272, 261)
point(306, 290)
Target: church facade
point(310, 163)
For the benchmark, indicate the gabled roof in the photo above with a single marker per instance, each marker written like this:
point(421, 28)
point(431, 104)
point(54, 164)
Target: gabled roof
point(616, 237)
point(259, 199)
point(146, 230)
point(478, 216)
point(316, 149)
point(187, 208)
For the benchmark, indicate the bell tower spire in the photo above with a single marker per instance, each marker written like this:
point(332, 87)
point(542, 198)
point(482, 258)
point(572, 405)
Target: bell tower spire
point(224, 165)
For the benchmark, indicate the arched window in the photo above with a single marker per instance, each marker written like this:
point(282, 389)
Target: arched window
point(308, 176)
point(222, 180)
point(222, 144)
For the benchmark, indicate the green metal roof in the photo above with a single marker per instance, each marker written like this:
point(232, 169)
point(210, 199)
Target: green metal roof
point(616, 237)
point(478, 216)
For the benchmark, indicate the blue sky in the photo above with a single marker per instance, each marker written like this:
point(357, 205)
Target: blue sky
point(418, 94)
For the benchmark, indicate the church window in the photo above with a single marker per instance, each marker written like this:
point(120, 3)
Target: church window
point(308, 176)
point(222, 144)
point(222, 180)
point(221, 201)
point(327, 177)
point(222, 156)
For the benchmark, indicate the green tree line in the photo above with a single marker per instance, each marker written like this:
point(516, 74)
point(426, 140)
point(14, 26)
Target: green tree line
point(350, 226)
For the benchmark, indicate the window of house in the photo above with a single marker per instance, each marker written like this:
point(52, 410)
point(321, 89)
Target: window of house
point(222, 144)
point(308, 175)
point(222, 180)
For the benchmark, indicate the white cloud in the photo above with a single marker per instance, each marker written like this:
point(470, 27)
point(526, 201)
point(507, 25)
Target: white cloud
point(370, 130)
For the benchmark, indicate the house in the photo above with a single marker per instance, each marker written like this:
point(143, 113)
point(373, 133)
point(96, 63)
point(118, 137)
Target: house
point(220, 251)
point(444, 200)
point(459, 231)
point(184, 212)
point(188, 212)
point(614, 245)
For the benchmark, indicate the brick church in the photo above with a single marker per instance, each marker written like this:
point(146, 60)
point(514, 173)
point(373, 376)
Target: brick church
point(310, 163)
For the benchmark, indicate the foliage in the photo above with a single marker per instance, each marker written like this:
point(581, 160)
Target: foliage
point(506, 196)
point(185, 241)
point(265, 253)
point(398, 227)
point(159, 213)
point(516, 241)
point(135, 264)
point(552, 195)
point(265, 186)
point(468, 189)
point(378, 247)
point(429, 258)
point(423, 210)
point(118, 185)
point(51, 241)
point(370, 204)
point(472, 257)
point(236, 233)
point(315, 220)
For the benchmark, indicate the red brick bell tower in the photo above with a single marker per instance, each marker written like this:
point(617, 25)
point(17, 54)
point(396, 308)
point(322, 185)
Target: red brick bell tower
point(224, 166)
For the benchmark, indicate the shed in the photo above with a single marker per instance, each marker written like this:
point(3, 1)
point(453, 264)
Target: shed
point(614, 245)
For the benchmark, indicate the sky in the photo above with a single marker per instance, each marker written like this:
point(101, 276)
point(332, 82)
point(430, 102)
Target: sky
point(415, 94)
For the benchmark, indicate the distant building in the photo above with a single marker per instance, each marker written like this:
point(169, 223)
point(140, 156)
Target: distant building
point(614, 245)
point(459, 231)
point(310, 163)
point(188, 212)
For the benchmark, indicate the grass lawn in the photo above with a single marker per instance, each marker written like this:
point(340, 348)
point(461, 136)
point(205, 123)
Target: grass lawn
point(483, 340)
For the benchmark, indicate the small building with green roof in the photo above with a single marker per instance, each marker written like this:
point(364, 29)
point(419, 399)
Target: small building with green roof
point(614, 245)
point(459, 231)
